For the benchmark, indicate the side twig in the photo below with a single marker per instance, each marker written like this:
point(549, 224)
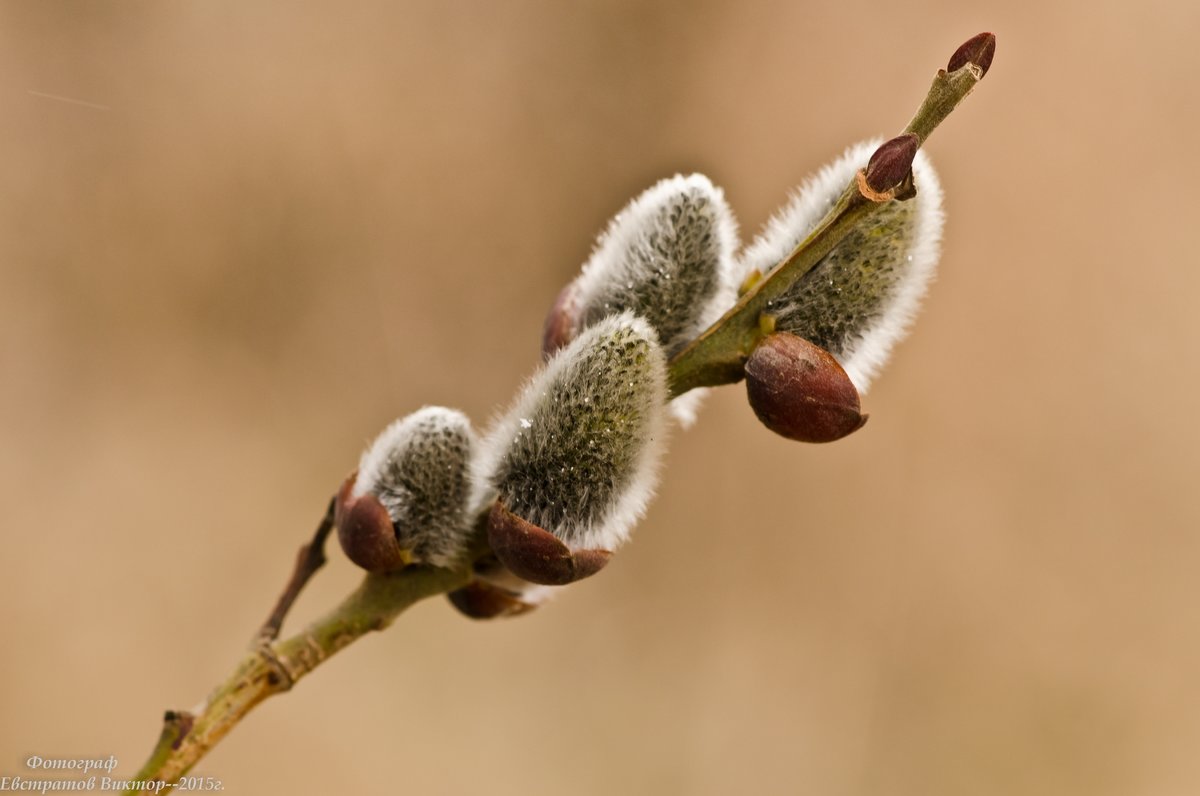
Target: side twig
point(310, 559)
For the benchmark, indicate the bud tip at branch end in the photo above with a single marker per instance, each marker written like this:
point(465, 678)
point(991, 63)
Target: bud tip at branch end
point(977, 50)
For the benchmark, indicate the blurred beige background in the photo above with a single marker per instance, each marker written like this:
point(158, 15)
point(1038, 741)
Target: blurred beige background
point(236, 239)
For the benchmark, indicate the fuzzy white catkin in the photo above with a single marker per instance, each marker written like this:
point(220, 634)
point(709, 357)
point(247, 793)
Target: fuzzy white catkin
point(578, 452)
point(861, 299)
point(419, 469)
point(668, 256)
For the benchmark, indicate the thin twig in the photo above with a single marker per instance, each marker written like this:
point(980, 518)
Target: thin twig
point(309, 559)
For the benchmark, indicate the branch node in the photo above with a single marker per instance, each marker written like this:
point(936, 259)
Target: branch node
point(278, 676)
point(176, 725)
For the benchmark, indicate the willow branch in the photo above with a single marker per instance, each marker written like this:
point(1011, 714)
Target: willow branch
point(715, 357)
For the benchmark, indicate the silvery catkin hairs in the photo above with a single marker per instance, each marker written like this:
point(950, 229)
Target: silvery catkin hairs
point(577, 454)
point(419, 470)
point(667, 257)
point(860, 300)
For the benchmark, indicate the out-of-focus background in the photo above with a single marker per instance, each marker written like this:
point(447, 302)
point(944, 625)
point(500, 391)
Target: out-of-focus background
point(237, 239)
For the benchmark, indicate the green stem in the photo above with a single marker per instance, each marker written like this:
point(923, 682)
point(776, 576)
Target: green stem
point(948, 89)
point(274, 668)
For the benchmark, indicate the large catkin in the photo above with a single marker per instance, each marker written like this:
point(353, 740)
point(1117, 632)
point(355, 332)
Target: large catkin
point(577, 453)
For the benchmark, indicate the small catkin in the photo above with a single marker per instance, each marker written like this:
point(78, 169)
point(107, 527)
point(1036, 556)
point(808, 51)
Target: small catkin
point(577, 454)
point(861, 298)
point(419, 469)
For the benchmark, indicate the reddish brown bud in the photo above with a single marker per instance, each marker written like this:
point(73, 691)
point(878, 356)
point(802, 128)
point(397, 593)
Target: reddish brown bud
point(976, 50)
point(559, 327)
point(366, 533)
point(480, 600)
point(535, 554)
point(799, 391)
point(892, 163)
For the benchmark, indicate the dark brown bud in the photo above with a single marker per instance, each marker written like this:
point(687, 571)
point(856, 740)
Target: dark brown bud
point(891, 164)
point(535, 554)
point(481, 600)
point(559, 327)
point(976, 50)
point(366, 533)
point(799, 391)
